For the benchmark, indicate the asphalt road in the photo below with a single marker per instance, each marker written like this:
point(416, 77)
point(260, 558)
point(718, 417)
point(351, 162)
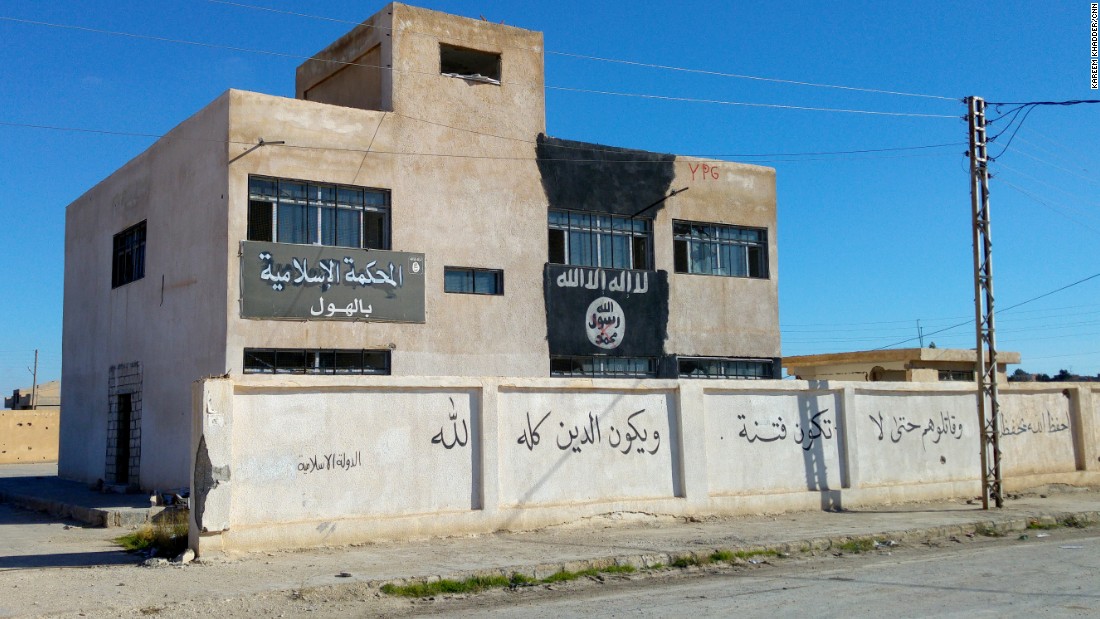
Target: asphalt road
point(1054, 576)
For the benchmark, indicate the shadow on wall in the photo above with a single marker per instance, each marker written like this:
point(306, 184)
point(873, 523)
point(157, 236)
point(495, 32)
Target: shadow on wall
point(813, 459)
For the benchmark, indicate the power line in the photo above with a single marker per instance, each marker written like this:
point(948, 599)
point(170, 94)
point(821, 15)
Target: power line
point(1049, 206)
point(559, 88)
point(1009, 308)
point(634, 63)
point(712, 159)
point(746, 104)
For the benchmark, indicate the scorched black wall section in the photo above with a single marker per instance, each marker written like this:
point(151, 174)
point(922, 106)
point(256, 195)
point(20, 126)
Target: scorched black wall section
point(602, 179)
point(593, 311)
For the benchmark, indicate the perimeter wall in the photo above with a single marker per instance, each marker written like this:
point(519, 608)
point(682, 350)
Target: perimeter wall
point(301, 461)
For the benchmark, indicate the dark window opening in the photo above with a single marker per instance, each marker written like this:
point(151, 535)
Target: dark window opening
point(471, 64)
point(288, 211)
point(718, 367)
point(128, 264)
point(957, 375)
point(298, 361)
point(473, 281)
point(604, 367)
point(717, 249)
point(608, 241)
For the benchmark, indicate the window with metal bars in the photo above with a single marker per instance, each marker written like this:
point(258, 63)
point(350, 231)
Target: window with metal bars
point(604, 367)
point(304, 361)
point(721, 367)
point(466, 280)
point(128, 264)
point(609, 241)
point(289, 211)
point(718, 249)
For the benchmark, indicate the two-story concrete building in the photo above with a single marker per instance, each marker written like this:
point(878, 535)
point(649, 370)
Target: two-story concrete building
point(405, 214)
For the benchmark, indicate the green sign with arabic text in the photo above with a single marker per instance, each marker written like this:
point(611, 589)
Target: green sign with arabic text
point(314, 282)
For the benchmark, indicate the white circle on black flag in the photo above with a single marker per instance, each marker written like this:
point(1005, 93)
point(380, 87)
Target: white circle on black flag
point(605, 323)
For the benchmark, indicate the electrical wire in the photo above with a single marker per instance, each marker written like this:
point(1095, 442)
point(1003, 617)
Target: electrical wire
point(1007, 309)
point(1039, 200)
point(511, 83)
point(634, 63)
point(712, 159)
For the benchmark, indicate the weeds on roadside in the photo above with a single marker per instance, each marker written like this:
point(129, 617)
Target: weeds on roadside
point(167, 535)
point(480, 583)
point(987, 530)
point(856, 546)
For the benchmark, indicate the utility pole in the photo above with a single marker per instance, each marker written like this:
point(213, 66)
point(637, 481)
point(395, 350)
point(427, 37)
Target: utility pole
point(989, 411)
point(34, 382)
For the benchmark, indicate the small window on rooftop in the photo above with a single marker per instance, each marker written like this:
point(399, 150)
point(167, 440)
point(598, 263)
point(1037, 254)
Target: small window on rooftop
point(469, 64)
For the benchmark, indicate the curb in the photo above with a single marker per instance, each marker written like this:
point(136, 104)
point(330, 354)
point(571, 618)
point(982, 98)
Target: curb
point(990, 528)
point(97, 517)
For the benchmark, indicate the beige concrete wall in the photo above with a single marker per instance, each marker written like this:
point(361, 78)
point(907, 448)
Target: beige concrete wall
point(171, 322)
point(354, 70)
point(458, 211)
point(303, 461)
point(28, 436)
point(712, 315)
point(516, 108)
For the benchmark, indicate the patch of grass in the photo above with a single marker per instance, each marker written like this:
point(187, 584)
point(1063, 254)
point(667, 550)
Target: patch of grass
point(427, 589)
point(685, 561)
point(481, 583)
point(167, 535)
point(721, 555)
point(1042, 526)
point(986, 530)
point(656, 566)
point(857, 546)
point(1074, 522)
point(749, 554)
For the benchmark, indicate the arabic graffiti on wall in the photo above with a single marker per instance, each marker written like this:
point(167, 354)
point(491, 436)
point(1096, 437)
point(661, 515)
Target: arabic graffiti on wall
point(330, 462)
point(1045, 423)
point(441, 437)
point(282, 280)
point(636, 437)
point(934, 430)
point(820, 427)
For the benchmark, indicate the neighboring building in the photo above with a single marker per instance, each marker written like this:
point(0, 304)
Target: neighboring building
point(29, 432)
point(913, 365)
point(46, 395)
point(413, 221)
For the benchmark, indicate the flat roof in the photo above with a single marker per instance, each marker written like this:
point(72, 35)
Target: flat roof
point(950, 355)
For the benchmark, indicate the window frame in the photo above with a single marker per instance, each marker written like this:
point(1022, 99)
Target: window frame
point(721, 238)
point(459, 57)
point(473, 272)
point(724, 364)
point(314, 359)
point(128, 255)
point(567, 223)
point(601, 365)
point(319, 202)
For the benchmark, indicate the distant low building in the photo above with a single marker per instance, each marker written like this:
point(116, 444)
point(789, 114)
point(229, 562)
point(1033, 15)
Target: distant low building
point(48, 396)
point(914, 365)
point(29, 432)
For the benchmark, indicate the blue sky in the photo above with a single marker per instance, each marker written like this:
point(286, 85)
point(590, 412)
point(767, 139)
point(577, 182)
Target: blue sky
point(868, 243)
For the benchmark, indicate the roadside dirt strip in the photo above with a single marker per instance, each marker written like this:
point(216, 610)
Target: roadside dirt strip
point(52, 568)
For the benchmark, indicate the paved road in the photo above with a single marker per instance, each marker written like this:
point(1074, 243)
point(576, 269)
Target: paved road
point(1053, 576)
